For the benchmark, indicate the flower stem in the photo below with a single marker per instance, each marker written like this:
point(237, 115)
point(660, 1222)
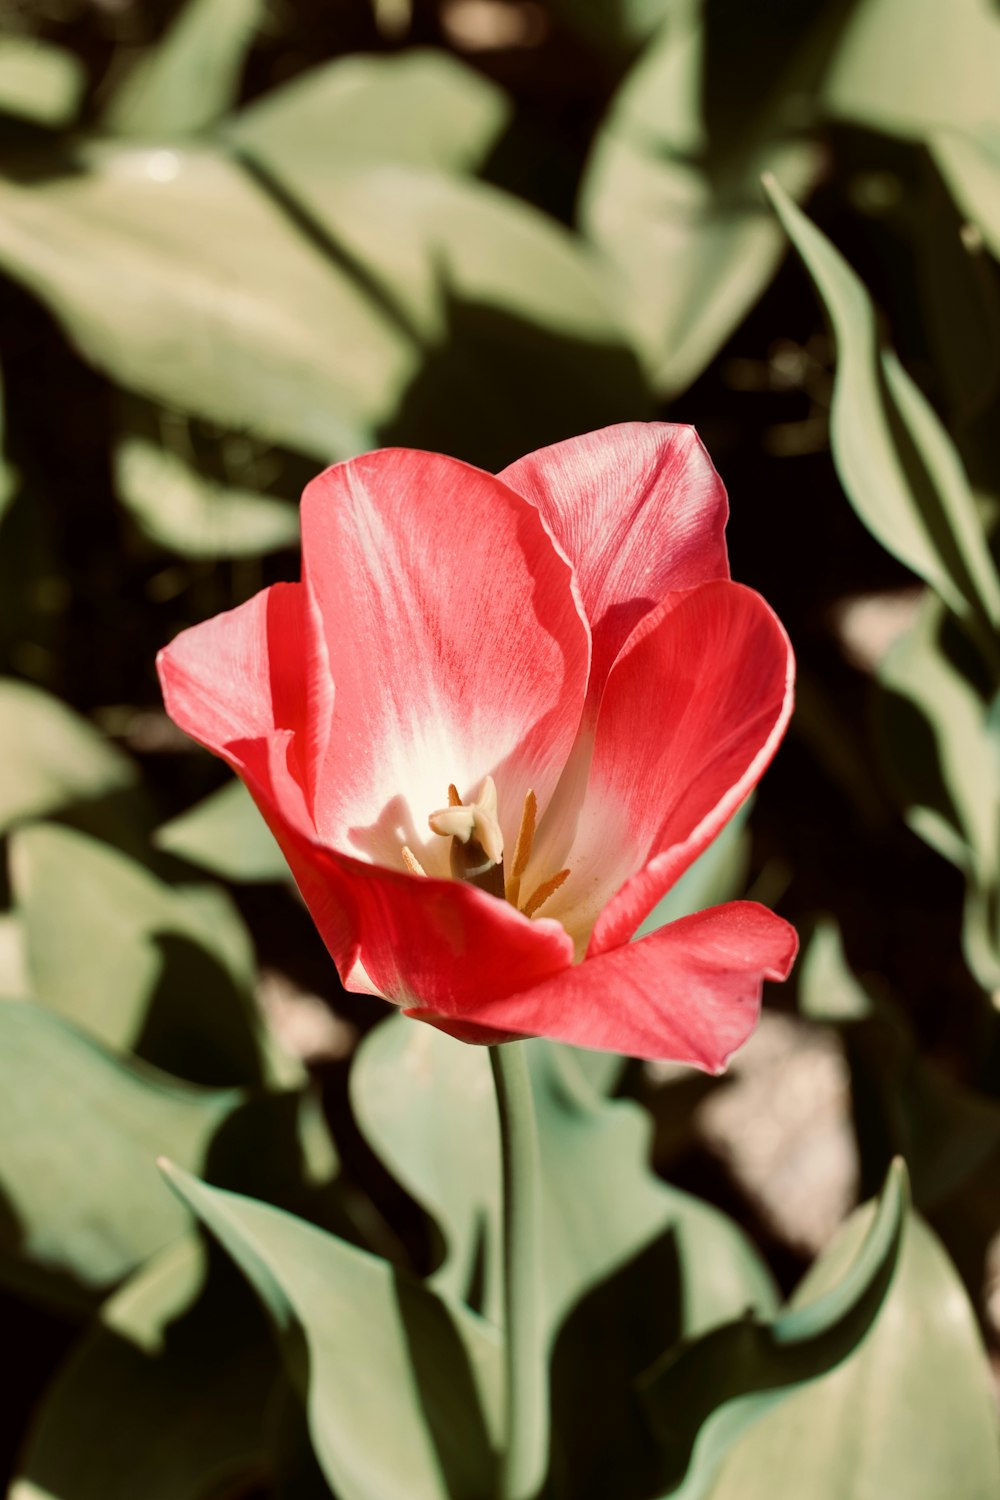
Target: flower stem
point(525, 1456)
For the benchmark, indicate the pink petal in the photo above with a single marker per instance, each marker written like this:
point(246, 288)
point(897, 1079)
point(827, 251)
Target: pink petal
point(639, 511)
point(455, 641)
point(688, 993)
point(693, 711)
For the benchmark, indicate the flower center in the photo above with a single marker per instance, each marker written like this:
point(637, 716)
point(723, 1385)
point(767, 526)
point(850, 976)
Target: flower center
point(476, 852)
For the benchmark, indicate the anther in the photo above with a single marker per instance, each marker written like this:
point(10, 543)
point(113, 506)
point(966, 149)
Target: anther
point(542, 893)
point(522, 848)
point(411, 862)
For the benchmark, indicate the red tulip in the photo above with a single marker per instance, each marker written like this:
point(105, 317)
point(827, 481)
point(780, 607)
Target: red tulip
point(496, 721)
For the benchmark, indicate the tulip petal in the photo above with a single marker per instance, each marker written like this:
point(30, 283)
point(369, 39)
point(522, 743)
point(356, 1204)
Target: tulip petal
point(693, 712)
point(639, 511)
point(455, 641)
point(688, 993)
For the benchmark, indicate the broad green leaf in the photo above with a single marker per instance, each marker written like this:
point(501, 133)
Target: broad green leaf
point(52, 759)
point(39, 82)
point(897, 464)
point(677, 213)
point(163, 1395)
point(402, 1387)
point(910, 1413)
point(82, 1202)
point(717, 875)
point(192, 76)
point(421, 108)
point(426, 1104)
point(970, 164)
point(704, 1396)
point(143, 966)
point(226, 835)
point(180, 509)
point(908, 67)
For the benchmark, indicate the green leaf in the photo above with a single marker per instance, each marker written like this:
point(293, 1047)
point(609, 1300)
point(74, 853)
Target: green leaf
point(904, 67)
point(970, 165)
point(39, 82)
point(702, 1397)
point(897, 464)
point(717, 875)
point(402, 1388)
point(192, 76)
point(226, 835)
point(186, 512)
point(82, 1202)
point(910, 1413)
point(675, 207)
point(426, 1104)
point(52, 758)
point(421, 107)
point(162, 1397)
point(145, 967)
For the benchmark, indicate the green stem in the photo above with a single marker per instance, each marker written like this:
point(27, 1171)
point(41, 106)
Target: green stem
point(525, 1457)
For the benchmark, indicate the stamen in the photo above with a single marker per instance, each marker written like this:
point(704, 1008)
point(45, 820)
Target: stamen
point(544, 891)
point(522, 848)
point(454, 800)
point(411, 862)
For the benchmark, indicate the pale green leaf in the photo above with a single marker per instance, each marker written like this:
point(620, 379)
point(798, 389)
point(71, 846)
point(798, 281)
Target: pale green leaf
point(970, 164)
point(910, 1413)
point(226, 835)
point(897, 464)
point(421, 108)
point(162, 1397)
point(39, 82)
point(141, 965)
point(52, 758)
point(402, 1387)
point(184, 511)
point(191, 77)
point(717, 875)
point(680, 220)
point(82, 1201)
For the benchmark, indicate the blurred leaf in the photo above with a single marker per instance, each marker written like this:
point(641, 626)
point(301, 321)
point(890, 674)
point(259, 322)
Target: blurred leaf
point(421, 108)
point(903, 1104)
point(81, 1204)
point(897, 464)
point(677, 212)
point(192, 283)
point(426, 1104)
point(910, 1413)
point(165, 973)
point(226, 835)
point(717, 875)
point(619, 28)
point(908, 68)
point(704, 1396)
point(186, 512)
point(970, 164)
point(39, 82)
point(191, 76)
point(52, 758)
point(163, 1396)
point(402, 1387)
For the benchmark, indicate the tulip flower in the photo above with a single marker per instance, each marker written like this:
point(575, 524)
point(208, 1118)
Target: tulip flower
point(495, 722)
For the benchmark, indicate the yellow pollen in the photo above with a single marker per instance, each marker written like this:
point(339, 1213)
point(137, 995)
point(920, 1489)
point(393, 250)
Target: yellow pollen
point(522, 848)
point(411, 862)
point(543, 892)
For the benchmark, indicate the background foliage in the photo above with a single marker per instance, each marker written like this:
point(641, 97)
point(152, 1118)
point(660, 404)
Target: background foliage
point(240, 239)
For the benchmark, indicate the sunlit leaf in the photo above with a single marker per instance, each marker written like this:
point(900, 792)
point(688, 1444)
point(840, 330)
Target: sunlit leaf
point(677, 213)
point(141, 965)
point(421, 108)
point(970, 164)
point(52, 758)
point(910, 1413)
point(82, 1201)
point(702, 1398)
point(39, 82)
point(226, 835)
point(897, 464)
point(182, 510)
point(402, 1387)
point(162, 1397)
point(191, 76)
